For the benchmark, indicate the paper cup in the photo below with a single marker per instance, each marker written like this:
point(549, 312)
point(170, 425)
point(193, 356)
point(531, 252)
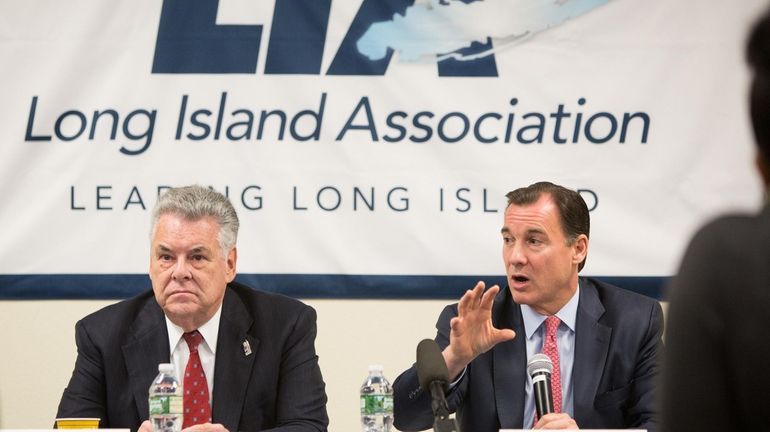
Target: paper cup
point(77, 423)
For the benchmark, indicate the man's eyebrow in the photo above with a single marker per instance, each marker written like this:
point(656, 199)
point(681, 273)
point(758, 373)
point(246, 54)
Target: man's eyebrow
point(199, 249)
point(505, 230)
point(535, 231)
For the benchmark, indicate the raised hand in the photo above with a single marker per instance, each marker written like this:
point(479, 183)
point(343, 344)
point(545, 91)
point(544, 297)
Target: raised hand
point(472, 332)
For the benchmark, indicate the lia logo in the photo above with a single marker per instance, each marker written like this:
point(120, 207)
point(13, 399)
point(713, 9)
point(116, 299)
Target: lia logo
point(459, 36)
point(190, 41)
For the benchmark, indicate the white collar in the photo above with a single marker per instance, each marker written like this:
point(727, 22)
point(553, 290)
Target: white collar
point(567, 315)
point(209, 331)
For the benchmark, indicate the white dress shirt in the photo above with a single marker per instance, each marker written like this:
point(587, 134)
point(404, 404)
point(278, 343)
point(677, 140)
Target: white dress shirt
point(534, 330)
point(207, 349)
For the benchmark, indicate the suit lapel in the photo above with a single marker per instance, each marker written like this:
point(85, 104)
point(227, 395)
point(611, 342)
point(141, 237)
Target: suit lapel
point(509, 363)
point(233, 362)
point(147, 347)
point(592, 340)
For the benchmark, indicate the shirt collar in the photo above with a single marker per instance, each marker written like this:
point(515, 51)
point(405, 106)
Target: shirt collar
point(209, 331)
point(567, 315)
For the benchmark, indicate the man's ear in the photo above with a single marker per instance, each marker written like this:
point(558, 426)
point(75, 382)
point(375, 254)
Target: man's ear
point(580, 248)
point(232, 259)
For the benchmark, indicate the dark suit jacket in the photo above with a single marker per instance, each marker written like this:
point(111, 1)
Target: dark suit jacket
point(716, 375)
point(617, 340)
point(279, 385)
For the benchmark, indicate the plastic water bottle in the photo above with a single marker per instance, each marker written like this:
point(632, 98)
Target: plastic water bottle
point(376, 402)
point(166, 400)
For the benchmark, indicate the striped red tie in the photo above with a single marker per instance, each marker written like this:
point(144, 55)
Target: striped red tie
point(197, 409)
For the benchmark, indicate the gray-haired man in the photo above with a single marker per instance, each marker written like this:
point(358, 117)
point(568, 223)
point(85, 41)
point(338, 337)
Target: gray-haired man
point(256, 349)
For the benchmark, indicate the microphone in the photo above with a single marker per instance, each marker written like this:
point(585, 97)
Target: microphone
point(540, 368)
point(434, 378)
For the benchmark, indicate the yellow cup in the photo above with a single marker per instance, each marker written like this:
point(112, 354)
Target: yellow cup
point(77, 423)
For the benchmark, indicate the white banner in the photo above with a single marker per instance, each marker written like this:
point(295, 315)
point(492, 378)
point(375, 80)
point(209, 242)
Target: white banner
point(365, 140)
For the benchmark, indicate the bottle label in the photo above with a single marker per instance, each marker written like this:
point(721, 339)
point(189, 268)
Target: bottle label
point(165, 405)
point(376, 404)
point(387, 404)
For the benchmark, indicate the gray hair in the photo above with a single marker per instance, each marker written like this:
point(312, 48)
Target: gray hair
point(196, 202)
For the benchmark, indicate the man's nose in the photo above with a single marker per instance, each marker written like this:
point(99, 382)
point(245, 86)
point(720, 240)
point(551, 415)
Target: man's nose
point(516, 255)
point(181, 270)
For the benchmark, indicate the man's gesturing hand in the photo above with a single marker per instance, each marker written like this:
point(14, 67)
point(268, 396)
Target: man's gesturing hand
point(472, 332)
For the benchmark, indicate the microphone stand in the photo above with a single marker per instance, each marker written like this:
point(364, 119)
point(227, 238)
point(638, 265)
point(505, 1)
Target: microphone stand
point(441, 420)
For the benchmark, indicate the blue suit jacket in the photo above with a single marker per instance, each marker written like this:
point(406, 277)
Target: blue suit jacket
point(617, 344)
point(278, 385)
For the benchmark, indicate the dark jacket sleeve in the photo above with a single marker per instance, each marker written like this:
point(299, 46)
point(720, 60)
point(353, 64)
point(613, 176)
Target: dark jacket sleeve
point(642, 403)
point(411, 405)
point(84, 396)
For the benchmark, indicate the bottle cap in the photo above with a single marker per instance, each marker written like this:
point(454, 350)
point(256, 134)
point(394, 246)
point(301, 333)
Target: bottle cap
point(166, 368)
point(375, 368)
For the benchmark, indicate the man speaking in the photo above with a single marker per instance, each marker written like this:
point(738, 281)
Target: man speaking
point(256, 350)
point(602, 341)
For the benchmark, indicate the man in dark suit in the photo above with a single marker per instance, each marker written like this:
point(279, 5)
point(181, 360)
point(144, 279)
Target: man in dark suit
point(716, 376)
point(256, 349)
point(606, 339)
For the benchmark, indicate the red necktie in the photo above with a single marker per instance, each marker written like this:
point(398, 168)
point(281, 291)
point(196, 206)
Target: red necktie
point(196, 390)
point(552, 350)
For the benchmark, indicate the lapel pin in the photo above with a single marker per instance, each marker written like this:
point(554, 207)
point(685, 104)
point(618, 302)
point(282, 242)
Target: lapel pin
point(246, 348)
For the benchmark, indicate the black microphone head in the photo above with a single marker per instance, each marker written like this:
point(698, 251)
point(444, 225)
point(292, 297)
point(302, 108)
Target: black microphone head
point(539, 363)
point(430, 365)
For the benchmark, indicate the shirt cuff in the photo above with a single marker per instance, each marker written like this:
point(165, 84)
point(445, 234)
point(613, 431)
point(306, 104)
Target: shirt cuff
point(459, 378)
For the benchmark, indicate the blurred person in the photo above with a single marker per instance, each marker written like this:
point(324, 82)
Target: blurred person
point(715, 368)
point(256, 349)
point(604, 341)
